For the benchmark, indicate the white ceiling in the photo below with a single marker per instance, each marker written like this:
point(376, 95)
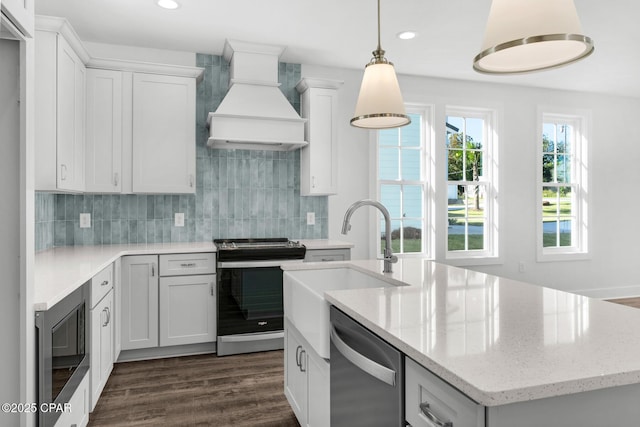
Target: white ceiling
point(342, 33)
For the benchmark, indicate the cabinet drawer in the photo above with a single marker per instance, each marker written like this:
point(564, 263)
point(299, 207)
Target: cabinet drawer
point(320, 255)
point(429, 399)
point(101, 284)
point(187, 264)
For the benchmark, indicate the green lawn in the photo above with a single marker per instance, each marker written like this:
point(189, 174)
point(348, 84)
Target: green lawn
point(476, 241)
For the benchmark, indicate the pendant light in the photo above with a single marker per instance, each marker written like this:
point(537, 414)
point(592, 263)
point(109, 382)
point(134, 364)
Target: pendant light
point(380, 104)
point(531, 35)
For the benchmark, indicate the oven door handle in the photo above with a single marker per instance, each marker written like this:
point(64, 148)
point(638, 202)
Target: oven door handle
point(252, 337)
point(256, 264)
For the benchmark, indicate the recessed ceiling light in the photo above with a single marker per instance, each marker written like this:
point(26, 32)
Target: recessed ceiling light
point(407, 35)
point(168, 4)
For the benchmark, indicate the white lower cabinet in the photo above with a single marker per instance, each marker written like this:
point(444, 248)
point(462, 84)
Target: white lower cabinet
point(187, 309)
point(164, 303)
point(102, 332)
point(139, 315)
point(324, 255)
point(78, 415)
point(101, 346)
point(429, 401)
point(306, 380)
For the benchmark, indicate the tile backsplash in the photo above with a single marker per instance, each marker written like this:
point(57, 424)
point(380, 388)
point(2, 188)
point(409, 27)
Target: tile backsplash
point(239, 193)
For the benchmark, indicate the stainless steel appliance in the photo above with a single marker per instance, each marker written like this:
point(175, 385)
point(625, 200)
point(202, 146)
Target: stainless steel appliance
point(366, 377)
point(249, 283)
point(62, 335)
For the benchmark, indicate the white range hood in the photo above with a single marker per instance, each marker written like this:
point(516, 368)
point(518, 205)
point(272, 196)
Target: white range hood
point(255, 113)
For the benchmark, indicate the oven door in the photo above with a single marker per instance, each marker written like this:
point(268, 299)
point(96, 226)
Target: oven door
point(249, 297)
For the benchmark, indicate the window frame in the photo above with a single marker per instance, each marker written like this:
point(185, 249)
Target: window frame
point(426, 181)
point(491, 252)
point(580, 121)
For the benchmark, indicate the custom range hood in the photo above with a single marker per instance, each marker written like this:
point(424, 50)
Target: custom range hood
point(254, 114)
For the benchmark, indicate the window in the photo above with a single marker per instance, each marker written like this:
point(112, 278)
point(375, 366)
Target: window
point(562, 173)
point(402, 185)
point(471, 184)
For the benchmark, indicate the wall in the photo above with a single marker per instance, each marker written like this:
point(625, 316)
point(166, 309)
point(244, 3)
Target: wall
point(239, 193)
point(10, 302)
point(614, 151)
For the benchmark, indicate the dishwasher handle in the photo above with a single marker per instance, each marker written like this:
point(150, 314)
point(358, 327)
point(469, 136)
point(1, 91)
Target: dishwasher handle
point(372, 368)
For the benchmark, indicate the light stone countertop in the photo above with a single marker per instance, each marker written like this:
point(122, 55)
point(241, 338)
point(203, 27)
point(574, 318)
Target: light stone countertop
point(497, 340)
point(60, 271)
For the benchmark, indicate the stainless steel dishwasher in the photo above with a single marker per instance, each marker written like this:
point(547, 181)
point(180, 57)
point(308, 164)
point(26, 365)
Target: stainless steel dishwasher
point(367, 376)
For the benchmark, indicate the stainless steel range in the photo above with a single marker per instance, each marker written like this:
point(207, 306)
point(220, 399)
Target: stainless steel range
point(250, 308)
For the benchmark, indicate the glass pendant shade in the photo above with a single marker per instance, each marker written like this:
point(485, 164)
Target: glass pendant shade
point(531, 35)
point(380, 104)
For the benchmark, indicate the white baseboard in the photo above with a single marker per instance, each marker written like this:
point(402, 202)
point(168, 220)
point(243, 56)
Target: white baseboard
point(610, 293)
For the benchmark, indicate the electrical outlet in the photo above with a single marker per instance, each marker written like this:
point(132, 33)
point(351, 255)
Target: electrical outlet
point(179, 219)
point(521, 267)
point(85, 220)
point(311, 218)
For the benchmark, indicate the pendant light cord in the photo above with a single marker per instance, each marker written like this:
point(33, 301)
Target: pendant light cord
point(379, 47)
point(378, 54)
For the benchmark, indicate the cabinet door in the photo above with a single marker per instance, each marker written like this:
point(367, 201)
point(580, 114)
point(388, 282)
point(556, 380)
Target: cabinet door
point(319, 405)
point(101, 346)
point(295, 375)
point(21, 14)
point(163, 134)
point(187, 309)
point(139, 315)
point(70, 118)
point(103, 160)
point(319, 160)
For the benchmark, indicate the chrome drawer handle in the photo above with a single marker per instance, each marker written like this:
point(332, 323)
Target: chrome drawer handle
point(105, 283)
point(424, 407)
point(188, 264)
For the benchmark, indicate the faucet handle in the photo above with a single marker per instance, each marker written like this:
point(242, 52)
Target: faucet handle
point(391, 258)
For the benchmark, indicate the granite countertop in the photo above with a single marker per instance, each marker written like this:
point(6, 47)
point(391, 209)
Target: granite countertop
point(497, 340)
point(60, 271)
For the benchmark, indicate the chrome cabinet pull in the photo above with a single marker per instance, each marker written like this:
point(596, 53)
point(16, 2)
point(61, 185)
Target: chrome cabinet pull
point(191, 181)
point(106, 317)
point(424, 407)
point(298, 355)
point(313, 182)
point(104, 283)
point(372, 368)
point(115, 179)
point(188, 264)
point(302, 369)
point(153, 269)
point(211, 284)
point(63, 172)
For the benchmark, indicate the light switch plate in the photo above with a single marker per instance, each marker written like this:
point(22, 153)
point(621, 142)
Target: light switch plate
point(311, 218)
point(179, 219)
point(85, 220)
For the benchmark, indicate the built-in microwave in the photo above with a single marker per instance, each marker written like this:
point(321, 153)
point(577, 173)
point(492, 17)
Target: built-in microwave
point(62, 337)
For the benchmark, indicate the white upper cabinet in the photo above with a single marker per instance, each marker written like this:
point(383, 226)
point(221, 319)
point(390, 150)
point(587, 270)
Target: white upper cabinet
point(164, 141)
point(103, 161)
point(319, 159)
point(20, 13)
point(60, 107)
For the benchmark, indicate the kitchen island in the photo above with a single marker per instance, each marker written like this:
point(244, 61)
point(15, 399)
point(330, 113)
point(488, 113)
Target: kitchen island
point(529, 355)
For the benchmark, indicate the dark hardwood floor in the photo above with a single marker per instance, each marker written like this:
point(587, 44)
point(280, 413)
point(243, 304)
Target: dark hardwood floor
point(631, 302)
point(204, 390)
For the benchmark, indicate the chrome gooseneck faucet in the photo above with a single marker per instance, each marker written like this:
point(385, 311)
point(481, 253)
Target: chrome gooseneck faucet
point(389, 258)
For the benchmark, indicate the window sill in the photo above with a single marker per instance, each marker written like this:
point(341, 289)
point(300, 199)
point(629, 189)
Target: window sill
point(563, 256)
point(465, 261)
